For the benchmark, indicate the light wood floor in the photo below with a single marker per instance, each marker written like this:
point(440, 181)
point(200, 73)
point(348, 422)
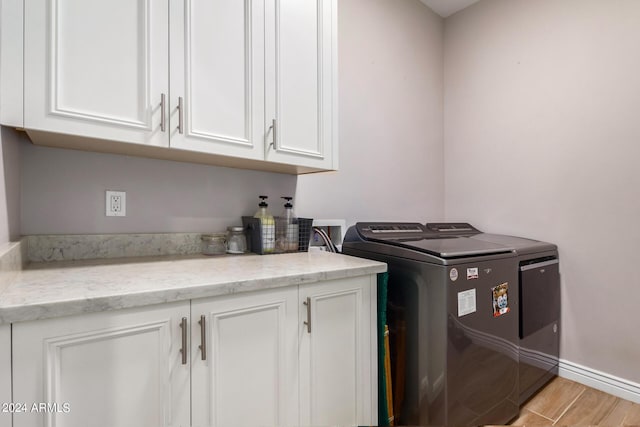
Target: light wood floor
point(567, 403)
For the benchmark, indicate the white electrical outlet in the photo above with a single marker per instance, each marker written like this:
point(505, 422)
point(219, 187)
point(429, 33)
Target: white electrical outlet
point(116, 203)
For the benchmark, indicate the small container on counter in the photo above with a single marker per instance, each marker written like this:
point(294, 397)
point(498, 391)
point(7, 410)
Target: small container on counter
point(214, 244)
point(236, 240)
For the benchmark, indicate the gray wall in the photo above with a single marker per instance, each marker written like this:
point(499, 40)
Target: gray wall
point(542, 139)
point(10, 144)
point(63, 192)
point(390, 86)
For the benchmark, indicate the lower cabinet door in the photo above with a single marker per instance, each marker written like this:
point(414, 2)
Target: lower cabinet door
point(249, 375)
point(5, 376)
point(119, 368)
point(337, 352)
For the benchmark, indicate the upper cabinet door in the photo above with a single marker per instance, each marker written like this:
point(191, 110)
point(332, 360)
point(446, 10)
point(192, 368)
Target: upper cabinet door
point(97, 68)
point(301, 76)
point(217, 77)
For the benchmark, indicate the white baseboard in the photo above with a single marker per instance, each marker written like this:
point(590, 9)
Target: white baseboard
point(600, 380)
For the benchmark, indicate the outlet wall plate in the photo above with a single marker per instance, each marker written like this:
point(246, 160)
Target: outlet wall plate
point(116, 203)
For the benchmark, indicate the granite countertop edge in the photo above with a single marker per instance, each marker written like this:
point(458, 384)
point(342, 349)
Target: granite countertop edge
point(43, 291)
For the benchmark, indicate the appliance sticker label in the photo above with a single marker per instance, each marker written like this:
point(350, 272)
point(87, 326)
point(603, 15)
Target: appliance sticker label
point(472, 273)
point(453, 274)
point(466, 302)
point(500, 297)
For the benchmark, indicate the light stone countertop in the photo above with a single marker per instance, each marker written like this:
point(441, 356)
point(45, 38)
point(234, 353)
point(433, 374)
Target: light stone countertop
point(46, 290)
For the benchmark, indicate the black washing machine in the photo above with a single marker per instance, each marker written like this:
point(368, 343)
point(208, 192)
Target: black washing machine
point(539, 298)
point(453, 318)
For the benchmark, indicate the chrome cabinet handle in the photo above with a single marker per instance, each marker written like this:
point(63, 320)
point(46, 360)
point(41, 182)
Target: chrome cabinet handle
point(180, 115)
point(183, 350)
point(163, 117)
point(274, 129)
point(308, 322)
point(203, 336)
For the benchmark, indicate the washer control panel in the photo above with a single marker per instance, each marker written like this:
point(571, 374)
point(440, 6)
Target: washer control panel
point(390, 230)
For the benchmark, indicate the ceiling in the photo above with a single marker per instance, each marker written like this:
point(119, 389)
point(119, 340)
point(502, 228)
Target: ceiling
point(445, 8)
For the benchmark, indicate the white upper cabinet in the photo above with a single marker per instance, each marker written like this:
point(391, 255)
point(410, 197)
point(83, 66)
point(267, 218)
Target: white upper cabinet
point(240, 83)
point(96, 68)
point(217, 77)
point(301, 70)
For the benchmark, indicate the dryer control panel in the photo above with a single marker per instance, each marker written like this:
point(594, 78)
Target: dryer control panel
point(453, 228)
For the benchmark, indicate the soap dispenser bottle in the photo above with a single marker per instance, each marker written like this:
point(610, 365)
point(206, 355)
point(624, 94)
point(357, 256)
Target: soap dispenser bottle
point(291, 229)
point(268, 226)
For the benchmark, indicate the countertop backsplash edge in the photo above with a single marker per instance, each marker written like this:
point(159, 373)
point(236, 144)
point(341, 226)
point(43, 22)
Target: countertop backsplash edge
point(48, 248)
point(13, 258)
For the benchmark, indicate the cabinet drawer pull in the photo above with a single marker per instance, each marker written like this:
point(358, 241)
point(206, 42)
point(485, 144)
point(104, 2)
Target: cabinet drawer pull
point(180, 115)
point(163, 117)
point(203, 336)
point(308, 322)
point(274, 130)
point(183, 350)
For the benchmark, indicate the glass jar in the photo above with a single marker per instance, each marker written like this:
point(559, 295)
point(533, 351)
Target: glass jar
point(213, 244)
point(236, 240)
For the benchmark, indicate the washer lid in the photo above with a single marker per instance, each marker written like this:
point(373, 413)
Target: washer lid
point(452, 247)
point(417, 237)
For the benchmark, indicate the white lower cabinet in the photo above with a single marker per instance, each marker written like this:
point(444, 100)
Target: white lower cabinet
point(338, 379)
point(248, 376)
point(113, 369)
point(297, 355)
point(5, 375)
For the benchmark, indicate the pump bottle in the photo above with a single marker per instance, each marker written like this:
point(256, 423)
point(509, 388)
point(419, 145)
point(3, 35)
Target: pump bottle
point(291, 228)
point(268, 226)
